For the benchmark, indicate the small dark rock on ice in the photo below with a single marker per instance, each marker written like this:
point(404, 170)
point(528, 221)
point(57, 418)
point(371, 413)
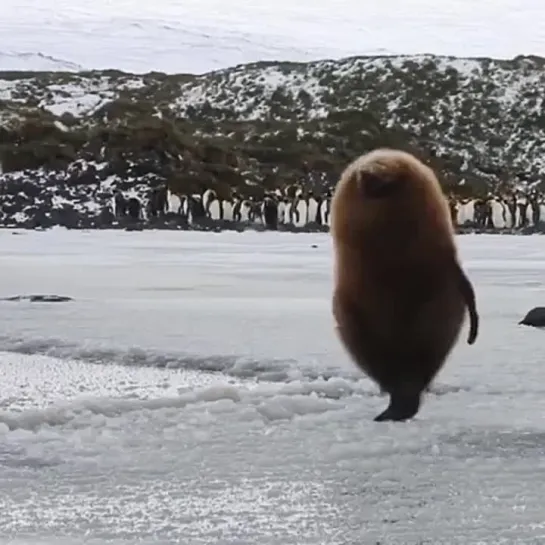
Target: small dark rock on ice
point(39, 298)
point(534, 318)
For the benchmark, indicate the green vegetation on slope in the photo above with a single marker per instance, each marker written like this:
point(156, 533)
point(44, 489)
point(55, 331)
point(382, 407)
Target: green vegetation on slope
point(266, 125)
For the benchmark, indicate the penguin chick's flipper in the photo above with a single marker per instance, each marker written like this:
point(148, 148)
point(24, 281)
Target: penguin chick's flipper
point(468, 293)
point(402, 407)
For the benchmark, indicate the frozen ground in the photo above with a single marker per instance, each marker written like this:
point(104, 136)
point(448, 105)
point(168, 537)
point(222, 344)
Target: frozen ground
point(201, 35)
point(194, 393)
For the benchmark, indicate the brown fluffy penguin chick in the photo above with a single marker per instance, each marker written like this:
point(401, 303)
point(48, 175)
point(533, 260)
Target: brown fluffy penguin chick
point(400, 293)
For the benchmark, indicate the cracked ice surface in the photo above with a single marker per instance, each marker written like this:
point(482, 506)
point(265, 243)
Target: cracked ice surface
point(194, 392)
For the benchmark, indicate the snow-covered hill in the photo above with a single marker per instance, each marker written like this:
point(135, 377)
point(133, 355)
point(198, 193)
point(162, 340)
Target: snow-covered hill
point(256, 129)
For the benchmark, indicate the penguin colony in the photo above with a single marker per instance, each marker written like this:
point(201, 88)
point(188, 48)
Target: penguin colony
point(400, 293)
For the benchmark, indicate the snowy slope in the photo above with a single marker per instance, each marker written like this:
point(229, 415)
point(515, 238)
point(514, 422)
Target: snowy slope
point(200, 35)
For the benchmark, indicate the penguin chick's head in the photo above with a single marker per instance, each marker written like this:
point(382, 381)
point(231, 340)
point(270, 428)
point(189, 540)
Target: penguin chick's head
point(385, 185)
point(387, 174)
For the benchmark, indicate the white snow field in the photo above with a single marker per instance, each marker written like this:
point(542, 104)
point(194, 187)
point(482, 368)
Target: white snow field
point(194, 392)
point(201, 35)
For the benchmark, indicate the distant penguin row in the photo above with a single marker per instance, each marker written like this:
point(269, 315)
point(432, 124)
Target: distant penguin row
point(295, 206)
point(515, 210)
point(274, 208)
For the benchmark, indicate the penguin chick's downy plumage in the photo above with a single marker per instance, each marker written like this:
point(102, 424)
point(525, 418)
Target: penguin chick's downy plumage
point(400, 293)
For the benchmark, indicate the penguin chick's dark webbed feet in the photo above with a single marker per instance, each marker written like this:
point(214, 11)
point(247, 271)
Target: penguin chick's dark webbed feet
point(401, 408)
